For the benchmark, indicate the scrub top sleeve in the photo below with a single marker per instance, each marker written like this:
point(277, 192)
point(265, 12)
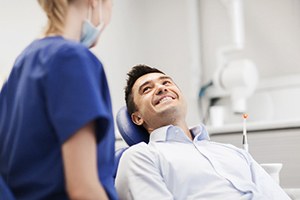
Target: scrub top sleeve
point(73, 92)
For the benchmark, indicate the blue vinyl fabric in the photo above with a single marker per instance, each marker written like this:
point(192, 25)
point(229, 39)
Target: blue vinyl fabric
point(130, 132)
point(55, 87)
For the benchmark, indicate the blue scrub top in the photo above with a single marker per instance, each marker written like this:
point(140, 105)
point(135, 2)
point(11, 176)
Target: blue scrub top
point(56, 87)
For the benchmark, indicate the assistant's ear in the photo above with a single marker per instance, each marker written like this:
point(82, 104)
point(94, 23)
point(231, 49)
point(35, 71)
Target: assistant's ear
point(137, 119)
point(93, 3)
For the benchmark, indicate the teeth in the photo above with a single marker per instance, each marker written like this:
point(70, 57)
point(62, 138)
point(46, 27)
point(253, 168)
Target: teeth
point(165, 99)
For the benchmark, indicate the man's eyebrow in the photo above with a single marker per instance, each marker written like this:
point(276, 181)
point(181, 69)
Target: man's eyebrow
point(141, 86)
point(165, 77)
point(159, 78)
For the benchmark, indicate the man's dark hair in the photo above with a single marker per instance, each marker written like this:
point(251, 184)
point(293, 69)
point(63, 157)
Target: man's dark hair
point(135, 73)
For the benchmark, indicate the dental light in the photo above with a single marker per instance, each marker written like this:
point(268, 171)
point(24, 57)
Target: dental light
point(239, 77)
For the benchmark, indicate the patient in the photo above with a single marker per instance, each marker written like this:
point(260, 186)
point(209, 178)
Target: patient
point(178, 162)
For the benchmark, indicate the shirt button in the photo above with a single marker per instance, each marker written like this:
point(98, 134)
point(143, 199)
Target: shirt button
point(177, 131)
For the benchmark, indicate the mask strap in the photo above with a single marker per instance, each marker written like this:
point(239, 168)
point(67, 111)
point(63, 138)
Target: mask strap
point(101, 25)
point(90, 17)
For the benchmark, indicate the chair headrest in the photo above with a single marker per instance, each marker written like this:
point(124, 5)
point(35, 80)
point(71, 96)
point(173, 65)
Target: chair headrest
point(130, 132)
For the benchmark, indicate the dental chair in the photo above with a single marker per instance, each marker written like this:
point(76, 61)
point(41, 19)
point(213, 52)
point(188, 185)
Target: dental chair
point(5, 192)
point(130, 132)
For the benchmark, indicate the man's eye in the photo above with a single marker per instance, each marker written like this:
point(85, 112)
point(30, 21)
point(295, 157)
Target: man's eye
point(166, 82)
point(146, 89)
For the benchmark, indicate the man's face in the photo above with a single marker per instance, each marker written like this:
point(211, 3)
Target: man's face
point(158, 100)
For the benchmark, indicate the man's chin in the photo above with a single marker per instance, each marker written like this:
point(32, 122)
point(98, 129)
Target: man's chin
point(168, 111)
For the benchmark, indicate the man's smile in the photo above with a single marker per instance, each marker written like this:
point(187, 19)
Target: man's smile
point(164, 98)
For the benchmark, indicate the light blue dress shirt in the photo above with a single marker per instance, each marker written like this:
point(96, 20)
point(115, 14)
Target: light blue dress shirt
point(172, 166)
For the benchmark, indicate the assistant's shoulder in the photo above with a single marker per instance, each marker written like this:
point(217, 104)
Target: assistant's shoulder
point(71, 48)
point(60, 52)
point(58, 46)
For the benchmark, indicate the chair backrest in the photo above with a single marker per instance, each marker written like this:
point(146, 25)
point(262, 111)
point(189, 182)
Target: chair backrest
point(130, 132)
point(118, 155)
point(5, 192)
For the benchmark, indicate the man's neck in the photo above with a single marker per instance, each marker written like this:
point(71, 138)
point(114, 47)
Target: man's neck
point(185, 129)
point(180, 124)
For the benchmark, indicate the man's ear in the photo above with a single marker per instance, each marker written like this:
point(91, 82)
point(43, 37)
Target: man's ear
point(137, 119)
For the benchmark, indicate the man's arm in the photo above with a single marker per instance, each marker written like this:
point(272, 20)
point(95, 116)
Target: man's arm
point(80, 165)
point(139, 175)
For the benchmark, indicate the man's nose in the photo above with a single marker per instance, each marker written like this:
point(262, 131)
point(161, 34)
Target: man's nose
point(161, 89)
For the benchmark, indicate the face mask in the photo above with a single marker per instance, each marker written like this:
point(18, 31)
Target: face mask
point(90, 33)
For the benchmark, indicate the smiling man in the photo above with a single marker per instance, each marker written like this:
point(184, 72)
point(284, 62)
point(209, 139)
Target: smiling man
point(163, 108)
point(178, 162)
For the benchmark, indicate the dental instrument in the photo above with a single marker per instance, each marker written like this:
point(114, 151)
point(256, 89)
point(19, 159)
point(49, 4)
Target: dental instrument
point(245, 140)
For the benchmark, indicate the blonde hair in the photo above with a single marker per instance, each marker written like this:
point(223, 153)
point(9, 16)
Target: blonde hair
point(56, 11)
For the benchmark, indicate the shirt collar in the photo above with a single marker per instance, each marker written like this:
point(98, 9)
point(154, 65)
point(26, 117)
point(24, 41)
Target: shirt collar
point(175, 133)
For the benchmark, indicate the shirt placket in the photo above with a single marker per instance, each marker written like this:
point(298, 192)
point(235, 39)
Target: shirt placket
point(218, 168)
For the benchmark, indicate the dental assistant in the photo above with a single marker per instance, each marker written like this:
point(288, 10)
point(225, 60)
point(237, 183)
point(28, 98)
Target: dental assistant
point(56, 124)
